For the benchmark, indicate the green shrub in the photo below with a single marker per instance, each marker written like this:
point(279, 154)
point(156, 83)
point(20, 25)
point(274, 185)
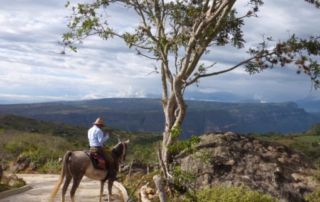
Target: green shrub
point(314, 196)
point(314, 130)
point(142, 153)
point(184, 181)
point(231, 194)
point(51, 166)
point(43, 150)
point(176, 132)
point(188, 145)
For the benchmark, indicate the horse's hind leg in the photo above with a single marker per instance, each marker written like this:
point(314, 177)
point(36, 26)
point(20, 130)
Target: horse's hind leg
point(75, 184)
point(110, 184)
point(65, 186)
point(101, 189)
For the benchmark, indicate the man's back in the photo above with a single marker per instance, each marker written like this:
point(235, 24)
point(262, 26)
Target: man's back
point(96, 137)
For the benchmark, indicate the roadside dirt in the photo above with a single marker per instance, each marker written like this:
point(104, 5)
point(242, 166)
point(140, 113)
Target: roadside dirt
point(42, 186)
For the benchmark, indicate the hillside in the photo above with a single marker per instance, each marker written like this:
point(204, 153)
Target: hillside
point(41, 143)
point(307, 143)
point(146, 115)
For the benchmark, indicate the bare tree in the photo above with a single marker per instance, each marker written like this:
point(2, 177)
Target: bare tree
point(177, 34)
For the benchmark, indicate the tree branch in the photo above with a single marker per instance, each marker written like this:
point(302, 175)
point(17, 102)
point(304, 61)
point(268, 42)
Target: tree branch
point(146, 28)
point(146, 56)
point(197, 77)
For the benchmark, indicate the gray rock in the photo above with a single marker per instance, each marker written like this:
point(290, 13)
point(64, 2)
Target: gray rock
point(231, 159)
point(21, 163)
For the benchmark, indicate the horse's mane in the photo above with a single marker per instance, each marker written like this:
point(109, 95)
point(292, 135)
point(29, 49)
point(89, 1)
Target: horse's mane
point(117, 149)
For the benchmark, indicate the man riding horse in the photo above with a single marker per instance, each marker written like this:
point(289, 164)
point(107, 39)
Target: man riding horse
point(97, 138)
point(76, 164)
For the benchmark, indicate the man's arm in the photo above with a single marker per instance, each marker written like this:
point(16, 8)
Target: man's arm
point(102, 137)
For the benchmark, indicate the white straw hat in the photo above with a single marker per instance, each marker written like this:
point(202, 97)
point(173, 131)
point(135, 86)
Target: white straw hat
point(99, 121)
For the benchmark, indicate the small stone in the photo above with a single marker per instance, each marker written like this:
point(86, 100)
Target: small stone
point(231, 162)
point(149, 190)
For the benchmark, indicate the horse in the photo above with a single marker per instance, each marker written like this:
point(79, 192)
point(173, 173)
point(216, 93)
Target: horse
point(77, 164)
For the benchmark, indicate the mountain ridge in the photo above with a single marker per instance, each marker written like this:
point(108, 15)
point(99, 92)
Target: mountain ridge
point(144, 114)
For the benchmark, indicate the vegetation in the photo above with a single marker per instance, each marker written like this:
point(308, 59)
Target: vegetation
point(4, 187)
point(313, 197)
point(41, 149)
point(307, 143)
point(231, 194)
point(43, 143)
point(187, 145)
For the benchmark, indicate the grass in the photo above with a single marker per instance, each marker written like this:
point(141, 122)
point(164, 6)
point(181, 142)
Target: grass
point(4, 187)
point(231, 194)
point(41, 149)
point(307, 143)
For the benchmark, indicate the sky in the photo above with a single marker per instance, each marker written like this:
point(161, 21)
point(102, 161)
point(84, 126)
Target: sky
point(33, 70)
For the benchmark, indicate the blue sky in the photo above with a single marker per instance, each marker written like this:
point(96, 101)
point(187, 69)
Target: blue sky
point(33, 70)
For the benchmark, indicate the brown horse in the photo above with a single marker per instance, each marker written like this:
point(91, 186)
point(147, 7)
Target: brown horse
point(77, 164)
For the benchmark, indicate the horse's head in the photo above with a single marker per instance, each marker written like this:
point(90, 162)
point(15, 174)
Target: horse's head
point(120, 150)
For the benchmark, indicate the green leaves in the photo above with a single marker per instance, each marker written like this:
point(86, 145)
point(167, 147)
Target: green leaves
point(130, 39)
point(231, 31)
point(176, 132)
point(301, 53)
point(184, 145)
point(86, 20)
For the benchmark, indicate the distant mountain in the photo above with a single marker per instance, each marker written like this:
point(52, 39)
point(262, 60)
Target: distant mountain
point(213, 96)
point(219, 97)
point(133, 114)
point(310, 105)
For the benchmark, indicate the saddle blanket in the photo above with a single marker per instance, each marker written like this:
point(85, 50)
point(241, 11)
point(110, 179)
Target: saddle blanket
point(97, 160)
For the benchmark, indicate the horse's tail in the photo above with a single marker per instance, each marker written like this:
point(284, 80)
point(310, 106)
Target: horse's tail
point(62, 175)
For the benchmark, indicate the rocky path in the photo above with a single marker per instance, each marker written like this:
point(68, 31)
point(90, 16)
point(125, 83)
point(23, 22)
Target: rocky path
point(42, 186)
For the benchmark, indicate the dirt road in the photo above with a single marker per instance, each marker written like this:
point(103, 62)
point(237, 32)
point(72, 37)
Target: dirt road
point(42, 186)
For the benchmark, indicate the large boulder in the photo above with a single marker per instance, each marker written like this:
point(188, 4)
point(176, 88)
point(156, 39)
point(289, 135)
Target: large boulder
point(232, 159)
point(12, 180)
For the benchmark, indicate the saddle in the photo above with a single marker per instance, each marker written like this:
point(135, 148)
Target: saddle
point(97, 160)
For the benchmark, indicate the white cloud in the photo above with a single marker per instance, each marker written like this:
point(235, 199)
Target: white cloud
point(31, 65)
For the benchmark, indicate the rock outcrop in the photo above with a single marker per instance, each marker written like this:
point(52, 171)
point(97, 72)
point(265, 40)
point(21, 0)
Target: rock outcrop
point(232, 159)
point(12, 180)
point(21, 163)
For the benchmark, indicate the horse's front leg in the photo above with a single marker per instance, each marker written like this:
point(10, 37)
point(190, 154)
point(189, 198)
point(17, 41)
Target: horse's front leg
point(110, 184)
point(101, 189)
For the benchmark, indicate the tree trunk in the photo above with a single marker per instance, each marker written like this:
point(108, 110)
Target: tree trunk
point(174, 111)
point(158, 181)
point(164, 154)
